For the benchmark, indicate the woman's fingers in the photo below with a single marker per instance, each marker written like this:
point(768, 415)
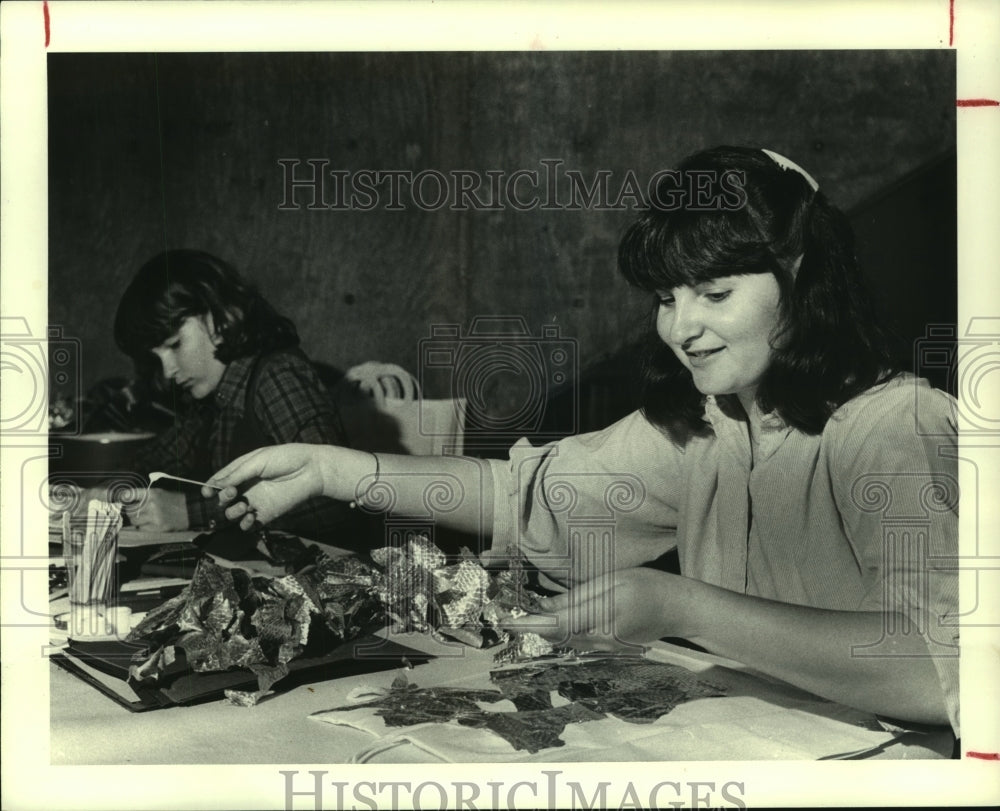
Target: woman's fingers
point(241, 507)
point(554, 619)
point(237, 508)
point(557, 602)
point(558, 628)
point(225, 495)
point(549, 625)
point(248, 466)
point(584, 618)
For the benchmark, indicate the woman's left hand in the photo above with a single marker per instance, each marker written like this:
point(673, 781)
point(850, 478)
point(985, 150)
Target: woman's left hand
point(621, 609)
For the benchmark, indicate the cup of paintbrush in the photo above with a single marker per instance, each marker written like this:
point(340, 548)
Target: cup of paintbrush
point(91, 550)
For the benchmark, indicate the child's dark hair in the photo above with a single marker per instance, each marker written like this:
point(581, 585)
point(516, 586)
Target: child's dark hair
point(760, 218)
point(180, 284)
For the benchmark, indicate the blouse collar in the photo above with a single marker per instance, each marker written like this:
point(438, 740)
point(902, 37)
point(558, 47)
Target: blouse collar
point(773, 429)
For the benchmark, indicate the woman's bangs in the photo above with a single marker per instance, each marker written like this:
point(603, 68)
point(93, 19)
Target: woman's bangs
point(711, 245)
point(683, 248)
point(653, 254)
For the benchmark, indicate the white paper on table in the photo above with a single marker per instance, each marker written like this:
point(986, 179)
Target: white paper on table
point(733, 728)
point(757, 720)
point(130, 537)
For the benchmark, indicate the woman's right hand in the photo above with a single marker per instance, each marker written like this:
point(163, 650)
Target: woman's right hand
point(268, 482)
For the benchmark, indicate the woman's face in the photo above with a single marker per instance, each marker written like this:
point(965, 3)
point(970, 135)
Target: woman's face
point(721, 330)
point(188, 357)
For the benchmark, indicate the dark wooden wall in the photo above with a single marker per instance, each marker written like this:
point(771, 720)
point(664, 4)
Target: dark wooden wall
point(148, 151)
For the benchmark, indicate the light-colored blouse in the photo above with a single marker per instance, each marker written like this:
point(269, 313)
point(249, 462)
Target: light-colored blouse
point(862, 517)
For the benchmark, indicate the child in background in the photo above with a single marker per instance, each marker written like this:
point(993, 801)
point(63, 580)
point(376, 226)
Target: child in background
point(238, 380)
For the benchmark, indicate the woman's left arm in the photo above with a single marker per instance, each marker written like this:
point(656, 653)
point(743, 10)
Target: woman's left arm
point(811, 648)
point(895, 651)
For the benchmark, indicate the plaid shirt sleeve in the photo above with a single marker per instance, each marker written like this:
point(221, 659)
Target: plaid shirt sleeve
point(292, 406)
point(179, 449)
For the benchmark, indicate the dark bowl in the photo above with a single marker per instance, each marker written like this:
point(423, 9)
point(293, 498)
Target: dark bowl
point(98, 453)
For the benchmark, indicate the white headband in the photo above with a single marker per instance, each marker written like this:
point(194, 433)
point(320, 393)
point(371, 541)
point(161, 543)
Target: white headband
point(785, 164)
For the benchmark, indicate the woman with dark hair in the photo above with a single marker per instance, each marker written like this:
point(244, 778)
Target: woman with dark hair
point(239, 380)
point(827, 346)
point(808, 486)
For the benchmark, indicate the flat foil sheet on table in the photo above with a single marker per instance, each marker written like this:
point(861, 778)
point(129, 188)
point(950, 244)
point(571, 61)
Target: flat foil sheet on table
point(634, 690)
point(617, 709)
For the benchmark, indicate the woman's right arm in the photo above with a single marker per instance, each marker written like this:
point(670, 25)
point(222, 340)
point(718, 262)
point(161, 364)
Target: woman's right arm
point(457, 491)
point(619, 485)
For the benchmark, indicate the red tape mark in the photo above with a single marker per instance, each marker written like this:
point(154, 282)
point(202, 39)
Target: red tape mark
point(984, 755)
point(977, 103)
point(48, 28)
point(951, 23)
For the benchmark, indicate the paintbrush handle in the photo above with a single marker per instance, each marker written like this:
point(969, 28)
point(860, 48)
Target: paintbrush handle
point(156, 476)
